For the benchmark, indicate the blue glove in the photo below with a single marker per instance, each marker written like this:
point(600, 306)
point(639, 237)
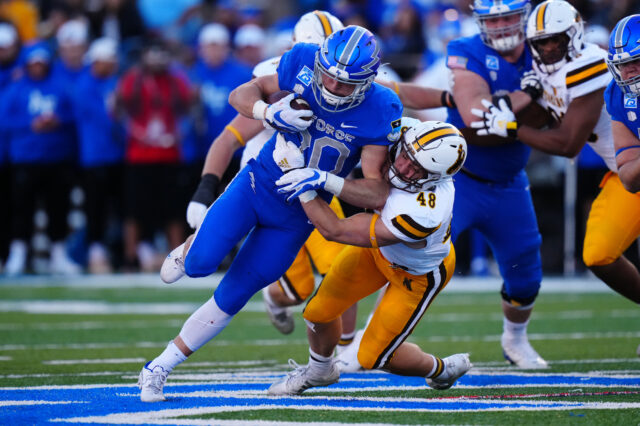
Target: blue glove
point(280, 116)
point(299, 181)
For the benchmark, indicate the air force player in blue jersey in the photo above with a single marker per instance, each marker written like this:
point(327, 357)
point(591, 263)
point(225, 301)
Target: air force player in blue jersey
point(492, 190)
point(354, 119)
point(622, 98)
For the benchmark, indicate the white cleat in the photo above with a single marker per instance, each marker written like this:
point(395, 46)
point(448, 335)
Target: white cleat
point(347, 359)
point(301, 379)
point(17, 260)
point(455, 366)
point(519, 352)
point(283, 320)
point(61, 263)
point(173, 266)
point(151, 383)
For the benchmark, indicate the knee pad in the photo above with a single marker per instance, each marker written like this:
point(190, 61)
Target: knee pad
point(519, 302)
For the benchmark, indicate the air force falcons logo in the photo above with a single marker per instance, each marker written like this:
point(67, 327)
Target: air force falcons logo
point(305, 76)
point(491, 62)
point(630, 102)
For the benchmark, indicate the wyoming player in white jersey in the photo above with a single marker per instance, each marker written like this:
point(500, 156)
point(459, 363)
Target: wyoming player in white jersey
point(406, 244)
point(569, 80)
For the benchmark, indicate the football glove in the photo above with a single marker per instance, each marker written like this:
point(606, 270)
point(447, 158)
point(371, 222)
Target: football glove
point(204, 196)
point(287, 155)
point(530, 84)
point(280, 116)
point(498, 120)
point(195, 214)
point(300, 181)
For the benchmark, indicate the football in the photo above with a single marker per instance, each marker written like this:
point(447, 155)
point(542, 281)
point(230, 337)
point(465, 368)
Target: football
point(296, 103)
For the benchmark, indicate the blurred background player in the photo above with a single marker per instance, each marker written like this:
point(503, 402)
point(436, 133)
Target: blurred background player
point(101, 150)
point(37, 114)
point(152, 97)
point(569, 79)
point(407, 244)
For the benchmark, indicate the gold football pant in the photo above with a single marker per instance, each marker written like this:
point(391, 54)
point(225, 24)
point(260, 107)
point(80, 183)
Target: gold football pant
point(299, 282)
point(358, 272)
point(613, 223)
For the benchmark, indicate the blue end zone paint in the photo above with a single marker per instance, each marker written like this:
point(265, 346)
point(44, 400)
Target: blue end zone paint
point(101, 401)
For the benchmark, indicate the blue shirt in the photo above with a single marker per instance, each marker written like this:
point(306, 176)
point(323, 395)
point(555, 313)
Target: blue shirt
point(496, 163)
point(215, 84)
point(27, 99)
point(8, 75)
point(101, 139)
point(623, 108)
point(334, 140)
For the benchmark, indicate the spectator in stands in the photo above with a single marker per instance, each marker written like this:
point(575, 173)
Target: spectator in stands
point(116, 19)
point(10, 70)
point(153, 98)
point(215, 74)
point(101, 143)
point(249, 42)
point(36, 113)
point(403, 41)
point(72, 38)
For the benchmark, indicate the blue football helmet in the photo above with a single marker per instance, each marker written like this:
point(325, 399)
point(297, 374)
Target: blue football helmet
point(506, 38)
point(350, 56)
point(624, 47)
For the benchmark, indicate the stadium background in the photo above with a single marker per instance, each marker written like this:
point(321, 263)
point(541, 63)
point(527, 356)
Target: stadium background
point(413, 35)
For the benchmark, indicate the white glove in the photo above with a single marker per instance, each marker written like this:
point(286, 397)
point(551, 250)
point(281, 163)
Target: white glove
point(287, 155)
point(531, 85)
point(498, 120)
point(280, 116)
point(300, 181)
point(195, 214)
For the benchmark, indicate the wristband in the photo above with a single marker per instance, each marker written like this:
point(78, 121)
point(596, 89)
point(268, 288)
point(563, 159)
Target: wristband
point(532, 92)
point(446, 99)
point(207, 189)
point(512, 129)
point(236, 133)
point(334, 184)
point(305, 197)
point(496, 99)
point(259, 109)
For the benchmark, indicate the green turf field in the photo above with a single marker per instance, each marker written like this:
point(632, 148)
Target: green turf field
point(73, 353)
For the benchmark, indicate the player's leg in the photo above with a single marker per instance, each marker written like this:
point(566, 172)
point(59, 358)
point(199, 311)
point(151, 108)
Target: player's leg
point(406, 299)
point(297, 284)
point(613, 224)
point(512, 232)
point(228, 219)
point(289, 290)
point(352, 277)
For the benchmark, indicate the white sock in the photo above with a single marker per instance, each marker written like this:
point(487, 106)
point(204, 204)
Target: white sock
point(169, 358)
point(438, 367)
point(203, 325)
point(276, 309)
point(319, 363)
point(514, 329)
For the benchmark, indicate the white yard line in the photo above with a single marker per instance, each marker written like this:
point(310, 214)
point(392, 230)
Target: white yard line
point(550, 284)
point(30, 402)
point(93, 361)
